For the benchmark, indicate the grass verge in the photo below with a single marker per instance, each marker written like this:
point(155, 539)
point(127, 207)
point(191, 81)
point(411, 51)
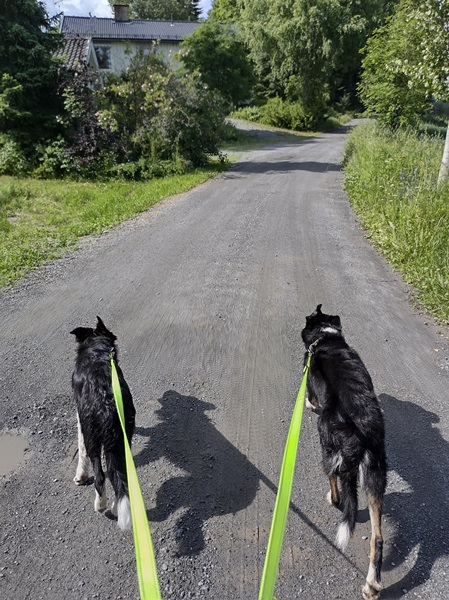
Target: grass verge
point(40, 220)
point(391, 181)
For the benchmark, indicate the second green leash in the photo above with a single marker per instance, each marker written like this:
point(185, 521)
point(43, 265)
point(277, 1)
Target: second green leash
point(145, 561)
point(283, 496)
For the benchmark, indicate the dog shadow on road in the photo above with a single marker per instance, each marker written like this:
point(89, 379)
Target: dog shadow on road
point(219, 479)
point(418, 458)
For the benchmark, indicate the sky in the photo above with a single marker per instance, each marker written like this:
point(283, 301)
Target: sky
point(97, 8)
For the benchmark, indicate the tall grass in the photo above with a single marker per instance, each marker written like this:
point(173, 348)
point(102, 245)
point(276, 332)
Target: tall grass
point(391, 181)
point(40, 220)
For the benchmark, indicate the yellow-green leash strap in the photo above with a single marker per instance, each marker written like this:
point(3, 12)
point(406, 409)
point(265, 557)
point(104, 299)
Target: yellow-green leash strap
point(284, 493)
point(145, 561)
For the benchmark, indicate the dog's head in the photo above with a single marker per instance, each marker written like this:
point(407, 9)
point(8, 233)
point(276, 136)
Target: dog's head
point(318, 324)
point(82, 334)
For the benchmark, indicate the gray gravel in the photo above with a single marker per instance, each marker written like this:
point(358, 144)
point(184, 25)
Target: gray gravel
point(207, 293)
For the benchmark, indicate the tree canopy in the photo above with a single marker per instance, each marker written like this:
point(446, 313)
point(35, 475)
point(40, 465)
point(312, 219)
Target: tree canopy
point(225, 11)
point(166, 10)
point(218, 53)
point(407, 62)
point(28, 80)
point(309, 49)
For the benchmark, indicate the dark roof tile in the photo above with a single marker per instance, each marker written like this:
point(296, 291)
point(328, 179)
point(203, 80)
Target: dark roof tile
point(110, 29)
point(74, 50)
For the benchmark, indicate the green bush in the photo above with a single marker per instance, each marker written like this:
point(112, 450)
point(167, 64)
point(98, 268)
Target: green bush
point(288, 115)
point(12, 158)
point(249, 113)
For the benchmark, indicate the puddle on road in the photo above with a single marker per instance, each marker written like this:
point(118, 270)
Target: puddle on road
point(12, 452)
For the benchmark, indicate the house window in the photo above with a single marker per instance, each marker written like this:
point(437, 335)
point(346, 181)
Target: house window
point(103, 57)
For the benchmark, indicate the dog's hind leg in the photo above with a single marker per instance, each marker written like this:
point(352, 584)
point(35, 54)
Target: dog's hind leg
point(116, 465)
point(100, 504)
point(373, 585)
point(82, 470)
point(333, 496)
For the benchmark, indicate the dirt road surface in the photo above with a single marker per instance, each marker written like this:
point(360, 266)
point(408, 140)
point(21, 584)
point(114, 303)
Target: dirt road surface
point(207, 293)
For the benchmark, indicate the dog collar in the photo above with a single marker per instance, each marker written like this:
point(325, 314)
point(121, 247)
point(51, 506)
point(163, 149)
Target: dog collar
point(315, 344)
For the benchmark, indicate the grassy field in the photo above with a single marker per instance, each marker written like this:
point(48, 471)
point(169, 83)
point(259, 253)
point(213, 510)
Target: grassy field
point(40, 220)
point(391, 181)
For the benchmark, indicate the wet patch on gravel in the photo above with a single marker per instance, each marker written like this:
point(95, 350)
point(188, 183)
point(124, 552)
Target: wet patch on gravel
point(13, 447)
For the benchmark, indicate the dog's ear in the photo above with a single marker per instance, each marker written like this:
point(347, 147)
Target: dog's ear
point(82, 333)
point(315, 313)
point(335, 322)
point(101, 329)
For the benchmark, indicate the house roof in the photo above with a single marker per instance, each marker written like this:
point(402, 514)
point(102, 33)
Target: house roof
point(135, 29)
point(75, 51)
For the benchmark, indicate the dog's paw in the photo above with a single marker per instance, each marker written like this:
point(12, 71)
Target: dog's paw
point(81, 478)
point(371, 591)
point(309, 405)
point(101, 502)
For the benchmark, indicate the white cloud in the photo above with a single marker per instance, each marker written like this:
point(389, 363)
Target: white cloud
point(97, 8)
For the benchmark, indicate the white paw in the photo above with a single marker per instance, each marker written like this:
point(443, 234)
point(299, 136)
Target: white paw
point(101, 502)
point(371, 591)
point(81, 478)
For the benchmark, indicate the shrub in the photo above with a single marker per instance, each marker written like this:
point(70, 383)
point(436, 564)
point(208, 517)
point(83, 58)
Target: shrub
point(12, 158)
point(289, 115)
point(249, 113)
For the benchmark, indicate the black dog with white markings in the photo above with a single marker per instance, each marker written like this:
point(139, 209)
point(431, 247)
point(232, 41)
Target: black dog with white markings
point(351, 431)
point(99, 428)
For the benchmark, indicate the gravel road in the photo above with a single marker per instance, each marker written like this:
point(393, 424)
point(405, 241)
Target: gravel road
point(207, 293)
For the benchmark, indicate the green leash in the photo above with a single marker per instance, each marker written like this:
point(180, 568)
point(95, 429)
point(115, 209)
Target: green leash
point(145, 561)
point(284, 493)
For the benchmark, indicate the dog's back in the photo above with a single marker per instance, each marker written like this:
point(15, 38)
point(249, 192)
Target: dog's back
point(99, 425)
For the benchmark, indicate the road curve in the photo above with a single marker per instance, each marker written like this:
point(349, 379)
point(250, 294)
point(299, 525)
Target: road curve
point(207, 293)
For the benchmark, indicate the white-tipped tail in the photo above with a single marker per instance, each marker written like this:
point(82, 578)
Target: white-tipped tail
point(124, 513)
point(343, 535)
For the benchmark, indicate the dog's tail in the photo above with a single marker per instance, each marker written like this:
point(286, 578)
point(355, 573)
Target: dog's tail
point(116, 465)
point(349, 505)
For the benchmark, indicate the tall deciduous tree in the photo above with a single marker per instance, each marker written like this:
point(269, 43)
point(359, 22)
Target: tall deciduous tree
point(309, 48)
point(28, 71)
point(412, 53)
point(225, 11)
point(166, 10)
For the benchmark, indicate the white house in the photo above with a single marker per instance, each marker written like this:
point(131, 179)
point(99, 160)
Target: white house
point(108, 45)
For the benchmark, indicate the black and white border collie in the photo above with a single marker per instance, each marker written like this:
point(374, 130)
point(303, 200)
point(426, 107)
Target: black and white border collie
point(99, 428)
point(351, 432)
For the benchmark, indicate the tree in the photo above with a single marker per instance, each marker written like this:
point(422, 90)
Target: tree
point(409, 58)
point(166, 10)
point(225, 11)
point(155, 114)
point(218, 53)
point(384, 87)
point(309, 49)
point(28, 71)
